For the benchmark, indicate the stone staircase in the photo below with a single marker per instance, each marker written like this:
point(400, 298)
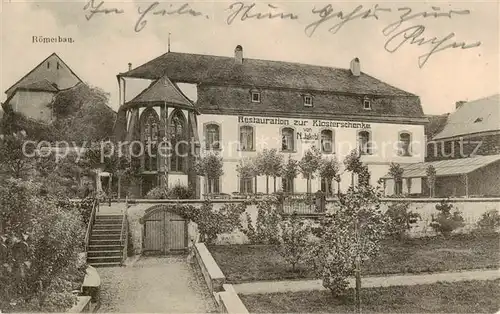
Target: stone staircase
point(105, 247)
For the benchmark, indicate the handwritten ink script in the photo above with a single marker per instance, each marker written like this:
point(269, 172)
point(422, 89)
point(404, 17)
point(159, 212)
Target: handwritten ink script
point(398, 32)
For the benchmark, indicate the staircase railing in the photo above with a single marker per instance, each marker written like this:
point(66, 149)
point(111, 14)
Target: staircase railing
point(124, 233)
point(95, 209)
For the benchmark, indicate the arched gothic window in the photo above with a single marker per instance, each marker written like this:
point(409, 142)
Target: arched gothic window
point(178, 142)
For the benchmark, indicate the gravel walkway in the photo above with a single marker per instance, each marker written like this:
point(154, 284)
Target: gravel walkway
point(155, 285)
point(366, 282)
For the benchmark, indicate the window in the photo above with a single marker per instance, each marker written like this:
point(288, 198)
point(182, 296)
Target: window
point(214, 186)
point(327, 141)
point(404, 144)
point(255, 96)
point(367, 104)
point(287, 185)
point(58, 66)
point(327, 187)
point(308, 101)
point(48, 65)
point(178, 142)
point(364, 144)
point(246, 185)
point(212, 136)
point(149, 130)
point(287, 139)
point(246, 137)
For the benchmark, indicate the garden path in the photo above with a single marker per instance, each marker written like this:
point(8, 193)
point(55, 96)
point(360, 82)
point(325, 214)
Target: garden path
point(367, 282)
point(154, 285)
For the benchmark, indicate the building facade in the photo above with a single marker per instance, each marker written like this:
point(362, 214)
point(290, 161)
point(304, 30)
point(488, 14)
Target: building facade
point(237, 107)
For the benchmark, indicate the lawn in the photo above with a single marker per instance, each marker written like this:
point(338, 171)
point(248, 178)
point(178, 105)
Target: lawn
point(243, 263)
point(457, 297)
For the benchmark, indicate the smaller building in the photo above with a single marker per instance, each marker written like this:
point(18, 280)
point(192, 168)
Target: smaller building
point(473, 129)
point(477, 176)
point(34, 93)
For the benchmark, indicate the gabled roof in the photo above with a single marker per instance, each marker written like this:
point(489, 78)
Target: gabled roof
point(447, 167)
point(160, 92)
point(61, 75)
point(208, 69)
point(482, 115)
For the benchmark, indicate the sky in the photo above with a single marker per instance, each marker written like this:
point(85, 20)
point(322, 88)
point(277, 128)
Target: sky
point(105, 43)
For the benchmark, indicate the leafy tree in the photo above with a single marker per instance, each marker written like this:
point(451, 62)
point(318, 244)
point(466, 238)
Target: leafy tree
point(269, 163)
point(39, 245)
point(446, 221)
point(82, 114)
point(290, 169)
point(210, 166)
point(351, 234)
point(431, 179)
point(13, 161)
point(294, 241)
point(396, 172)
point(400, 219)
point(329, 171)
point(309, 164)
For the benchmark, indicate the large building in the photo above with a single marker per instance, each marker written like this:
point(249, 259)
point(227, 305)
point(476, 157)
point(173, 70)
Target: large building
point(238, 106)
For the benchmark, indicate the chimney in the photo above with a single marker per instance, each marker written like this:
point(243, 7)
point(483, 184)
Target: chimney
point(238, 55)
point(355, 67)
point(129, 66)
point(459, 104)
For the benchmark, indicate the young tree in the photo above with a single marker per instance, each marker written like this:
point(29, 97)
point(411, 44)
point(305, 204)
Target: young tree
point(210, 167)
point(269, 163)
point(352, 233)
point(248, 169)
point(294, 241)
point(290, 169)
point(309, 164)
point(431, 179)
point(329, 171)
point(396, 172)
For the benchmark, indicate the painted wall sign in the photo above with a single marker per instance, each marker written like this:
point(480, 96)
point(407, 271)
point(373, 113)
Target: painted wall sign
point(302, 122)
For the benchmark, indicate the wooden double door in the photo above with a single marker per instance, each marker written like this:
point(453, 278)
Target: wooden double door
point(165, 233)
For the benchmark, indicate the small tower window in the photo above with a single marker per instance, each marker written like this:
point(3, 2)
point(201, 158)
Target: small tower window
point(255, 96)
point(367, 104)
point(308, 101)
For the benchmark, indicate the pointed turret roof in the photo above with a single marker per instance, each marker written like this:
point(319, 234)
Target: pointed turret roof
point(160, 92)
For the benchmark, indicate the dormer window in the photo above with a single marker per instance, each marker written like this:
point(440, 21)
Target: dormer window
point(367, 104)
point(255, 96)
point(308, 101)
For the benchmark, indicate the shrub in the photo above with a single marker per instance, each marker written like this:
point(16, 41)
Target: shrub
point(399, 219)
point(446, 221)
point(268, 220)
point(157, 193)
point(489, 222)
point(294, 241)
point(180, 192)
